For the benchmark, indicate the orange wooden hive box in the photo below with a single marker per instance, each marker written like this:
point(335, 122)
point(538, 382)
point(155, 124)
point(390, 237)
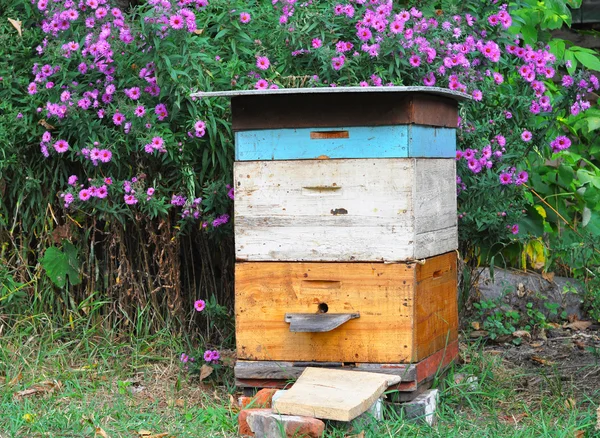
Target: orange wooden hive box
point(345, 228)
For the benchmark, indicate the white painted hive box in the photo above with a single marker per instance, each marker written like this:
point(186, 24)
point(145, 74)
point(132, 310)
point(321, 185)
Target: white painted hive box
point(393, 210)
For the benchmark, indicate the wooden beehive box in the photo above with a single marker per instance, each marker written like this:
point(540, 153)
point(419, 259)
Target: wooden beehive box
point(407, 311)
point(345, 231)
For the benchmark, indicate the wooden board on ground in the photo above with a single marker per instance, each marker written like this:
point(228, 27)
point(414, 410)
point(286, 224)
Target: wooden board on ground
point(333, 394)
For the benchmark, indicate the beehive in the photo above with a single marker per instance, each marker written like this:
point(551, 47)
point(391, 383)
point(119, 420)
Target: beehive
point(345, 231)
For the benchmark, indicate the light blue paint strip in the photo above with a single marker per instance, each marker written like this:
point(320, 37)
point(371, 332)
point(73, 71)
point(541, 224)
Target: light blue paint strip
point(399, 141)
point(431, 142)
point(308, 143)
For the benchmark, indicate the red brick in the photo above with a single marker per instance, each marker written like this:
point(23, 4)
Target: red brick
point(243, 427)
point(243, 402)
point(263, 398)
point(266, 423)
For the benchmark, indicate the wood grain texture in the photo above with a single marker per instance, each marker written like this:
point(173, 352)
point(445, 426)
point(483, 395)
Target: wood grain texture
point(350, 109)
point(382, 293)
point(344, 210)
point(436, 307)
point(333, 394)
point(436, 230)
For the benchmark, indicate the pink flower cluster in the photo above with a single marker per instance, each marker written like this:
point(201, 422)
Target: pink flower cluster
point(485, 159)
point(156, 144)
point(184, 358)
point(98, 87)
point(560, 143)
point(96, 155)
point(220, 220)
point(212, 356)
point(200, 128)
point(507, 177)
point(193, 210)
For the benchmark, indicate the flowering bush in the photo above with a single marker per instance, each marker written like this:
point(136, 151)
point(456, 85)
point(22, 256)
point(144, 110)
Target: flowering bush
point(107, 82)
point(117, 90)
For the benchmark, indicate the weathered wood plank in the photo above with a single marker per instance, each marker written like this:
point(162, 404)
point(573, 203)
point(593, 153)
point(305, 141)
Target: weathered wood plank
point(311, 143)
point(343, 109)
point(344, 210)
point(333, 394)
point(436, 308)
point(292, 370)
point(382, 293)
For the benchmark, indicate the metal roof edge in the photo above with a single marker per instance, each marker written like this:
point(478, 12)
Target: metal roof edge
point(457, 95)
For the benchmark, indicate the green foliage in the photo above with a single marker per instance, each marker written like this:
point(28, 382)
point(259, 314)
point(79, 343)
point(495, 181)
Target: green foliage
point(61, 264)
point(10, 289)
point(495, 321)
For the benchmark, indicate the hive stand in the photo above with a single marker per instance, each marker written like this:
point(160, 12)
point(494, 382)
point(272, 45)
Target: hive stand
point(345, 232)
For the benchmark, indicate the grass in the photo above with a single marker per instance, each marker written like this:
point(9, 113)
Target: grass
point(120, 386)
point(116, 385)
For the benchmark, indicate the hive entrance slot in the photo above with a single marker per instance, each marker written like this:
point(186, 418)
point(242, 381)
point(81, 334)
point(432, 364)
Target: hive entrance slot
point(325, 135)
point(321, 284)
point(323, 307)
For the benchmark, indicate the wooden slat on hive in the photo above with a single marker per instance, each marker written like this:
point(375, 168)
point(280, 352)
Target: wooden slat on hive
point(344, 210)
point(286, 370)
point(436, 309)
point(382, 293)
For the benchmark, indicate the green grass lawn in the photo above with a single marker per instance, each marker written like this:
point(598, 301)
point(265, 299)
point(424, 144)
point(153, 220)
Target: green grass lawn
point(106, 386)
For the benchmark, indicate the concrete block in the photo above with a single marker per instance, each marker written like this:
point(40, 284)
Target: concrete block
point(267, 424)
point(423, 407)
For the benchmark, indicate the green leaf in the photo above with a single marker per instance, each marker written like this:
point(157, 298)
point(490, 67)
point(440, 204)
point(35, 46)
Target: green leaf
point(593, 224)
point(593, 123)
point(529, 34)
point(565, 176)
point(557, 47)
point(588, 60)
point(58, 264)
